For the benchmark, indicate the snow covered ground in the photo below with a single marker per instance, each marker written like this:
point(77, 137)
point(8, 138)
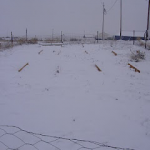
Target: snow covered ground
point(61, 93)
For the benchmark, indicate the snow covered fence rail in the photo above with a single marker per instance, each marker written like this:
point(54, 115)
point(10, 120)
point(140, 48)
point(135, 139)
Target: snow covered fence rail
point(15, 138)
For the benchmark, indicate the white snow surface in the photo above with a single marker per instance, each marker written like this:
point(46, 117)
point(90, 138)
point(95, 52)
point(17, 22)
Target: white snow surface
point(62, 93)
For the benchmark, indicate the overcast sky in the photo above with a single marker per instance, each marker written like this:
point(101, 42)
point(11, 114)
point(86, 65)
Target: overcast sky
point(40, 17)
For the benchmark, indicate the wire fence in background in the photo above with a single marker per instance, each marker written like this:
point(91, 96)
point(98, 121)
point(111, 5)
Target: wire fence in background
point(71, 38)
point(15, 138)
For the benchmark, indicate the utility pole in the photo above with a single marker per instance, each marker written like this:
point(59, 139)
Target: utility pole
point(52, 34)
point(148, 18)
point(120, 19)
point(26, 34)
point(147, 30)
point(133, 37)
point(61, 37)
point(103, 21)
point(97, 36)
point(11, 38)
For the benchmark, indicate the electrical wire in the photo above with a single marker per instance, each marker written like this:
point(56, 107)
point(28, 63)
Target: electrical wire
point(112, 6)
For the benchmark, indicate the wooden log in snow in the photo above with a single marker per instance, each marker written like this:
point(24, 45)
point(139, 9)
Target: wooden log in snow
point(40, 52)
point(86, 52)
point(23, 67)
point(98, 68)
point(114, 53)
point(136, 70)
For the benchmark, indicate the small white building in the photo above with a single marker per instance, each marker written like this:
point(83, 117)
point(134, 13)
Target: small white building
point(105, 36)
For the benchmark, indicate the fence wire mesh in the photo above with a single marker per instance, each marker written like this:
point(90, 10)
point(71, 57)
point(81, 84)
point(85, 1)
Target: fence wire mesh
point(15, 138)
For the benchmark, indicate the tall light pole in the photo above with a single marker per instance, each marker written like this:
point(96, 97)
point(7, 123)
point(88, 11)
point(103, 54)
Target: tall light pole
point(103, 23)
point(104, 11)
point(120, 19)
point(26, 34)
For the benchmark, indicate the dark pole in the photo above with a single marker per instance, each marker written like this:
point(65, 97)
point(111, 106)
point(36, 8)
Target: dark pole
point(61, 37)
point(11, 38)
point(103, 24)
point(120, 19)
point(133, 37)
point(26, 35)
point(97, 36)
point(147, 31)
point(52, 34)
point(148, 16)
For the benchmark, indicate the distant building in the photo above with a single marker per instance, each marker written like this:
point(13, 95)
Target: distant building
point(129, 35)
point(105, 36)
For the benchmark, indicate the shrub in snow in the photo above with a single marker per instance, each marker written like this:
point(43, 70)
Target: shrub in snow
point(21, 41)
point(137, 56)
point(148, 46)
point(75, 39)
point(7, 45)
point(33, 41)
point(140, 42)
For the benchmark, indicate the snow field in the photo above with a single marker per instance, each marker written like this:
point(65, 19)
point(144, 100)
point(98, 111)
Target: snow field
point(62, 93)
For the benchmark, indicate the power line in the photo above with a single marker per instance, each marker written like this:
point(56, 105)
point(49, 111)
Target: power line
point(112, 6)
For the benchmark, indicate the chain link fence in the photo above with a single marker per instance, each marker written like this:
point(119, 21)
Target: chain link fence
point(15, 138)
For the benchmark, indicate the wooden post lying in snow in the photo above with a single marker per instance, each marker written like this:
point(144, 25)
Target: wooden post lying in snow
point(23, 67)
point(136, 70)
point(40, 52)
point(86, 52)
point(114, 53)
point(98, 68)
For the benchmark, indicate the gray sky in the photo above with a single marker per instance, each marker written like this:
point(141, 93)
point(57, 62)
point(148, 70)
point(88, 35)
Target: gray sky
point(40, 17)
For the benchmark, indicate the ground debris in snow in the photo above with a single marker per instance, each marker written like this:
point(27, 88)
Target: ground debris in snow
point(40, 52)
point(114, 53)
point(86, 52)
point(136, 70)
point(98, 68)
point(23, 67)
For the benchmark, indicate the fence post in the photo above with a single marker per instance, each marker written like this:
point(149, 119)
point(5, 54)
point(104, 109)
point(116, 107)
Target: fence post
point(61, 37)
point(146, 38)
point(97, 36)
point(26, 35)
point(11, 38)
point(133, 37)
